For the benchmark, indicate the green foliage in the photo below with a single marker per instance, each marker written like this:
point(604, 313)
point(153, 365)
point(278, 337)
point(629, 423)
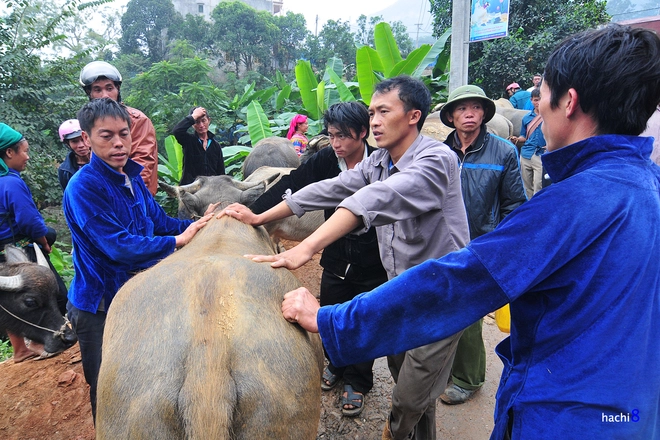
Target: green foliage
point(386, 61)
point(535, 28)
point(35, 95)
point(145, 26)
point(334, 40)
point(170, 167)
point(6, 351)
point(258, 125)
point(234, 157)
point(307, 83)
point(60, 257)
point(244, 35)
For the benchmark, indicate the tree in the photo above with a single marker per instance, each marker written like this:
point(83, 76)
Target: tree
point(336, 40)
point(291, 38)
point(145, 26)
point(535, 28)
point(197, 32)
point(364, 36)
point(35, 95)
point(244, 35)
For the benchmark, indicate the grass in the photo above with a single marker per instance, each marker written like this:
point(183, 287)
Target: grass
point(5, 350)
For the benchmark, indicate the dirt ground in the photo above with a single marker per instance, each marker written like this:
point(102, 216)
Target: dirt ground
point(48, 399)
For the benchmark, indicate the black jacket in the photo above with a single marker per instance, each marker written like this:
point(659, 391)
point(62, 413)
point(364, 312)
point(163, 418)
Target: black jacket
point(67, 169)
point(198, 161)
point(490, 181)
point(360, 251)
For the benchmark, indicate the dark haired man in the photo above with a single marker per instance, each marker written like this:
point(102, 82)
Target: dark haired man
point(117, 228)
point(533, 146)
point(202, 154)
point(100, 79)
point(577, 262)
point(409, 190)
point(351, 264)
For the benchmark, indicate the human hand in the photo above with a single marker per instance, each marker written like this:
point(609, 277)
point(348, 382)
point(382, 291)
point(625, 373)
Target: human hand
point(187, 235)
point(211, 208)
point(291, 259)
point(301, 307)
point(241, 213)
point(199, 112)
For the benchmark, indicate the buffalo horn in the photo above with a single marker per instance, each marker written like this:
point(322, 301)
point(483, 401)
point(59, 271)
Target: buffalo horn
point(41, 259)
point(11, 283)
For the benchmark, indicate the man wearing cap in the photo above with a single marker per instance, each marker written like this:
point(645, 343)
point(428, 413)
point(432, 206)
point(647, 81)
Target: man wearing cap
point(492, 188)
point(102, 80)
point(520, 99)
point(71, 136)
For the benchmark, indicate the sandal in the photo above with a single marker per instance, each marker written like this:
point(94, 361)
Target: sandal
point(353, 398)
point(330, 380)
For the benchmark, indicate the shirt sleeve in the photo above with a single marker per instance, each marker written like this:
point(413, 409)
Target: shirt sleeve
point(29, 221)
point(426, 303)
point(144, 150)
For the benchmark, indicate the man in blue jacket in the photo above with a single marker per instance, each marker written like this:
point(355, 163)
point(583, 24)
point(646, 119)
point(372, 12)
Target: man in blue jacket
point(578, 263)
point(117, 228)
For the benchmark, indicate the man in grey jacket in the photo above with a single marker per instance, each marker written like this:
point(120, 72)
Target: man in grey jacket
point(410, 191)
point(492, 188)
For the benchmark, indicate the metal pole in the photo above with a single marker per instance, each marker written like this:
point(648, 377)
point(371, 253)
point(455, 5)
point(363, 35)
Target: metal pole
point(460, 37)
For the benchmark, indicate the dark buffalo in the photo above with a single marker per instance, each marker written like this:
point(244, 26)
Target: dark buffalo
point(196, 348)
point(28, 304)
point(271, 152)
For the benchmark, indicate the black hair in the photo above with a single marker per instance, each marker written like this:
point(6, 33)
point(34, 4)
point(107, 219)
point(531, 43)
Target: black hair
point(13, 147)
point(99, 109)
point(536, 92)
point(412, 92)
point(615, 71)
point(347, 116)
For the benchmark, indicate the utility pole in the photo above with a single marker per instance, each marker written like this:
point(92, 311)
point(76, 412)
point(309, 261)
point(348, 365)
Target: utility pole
point(460, 50)
point(419, 26)
point(316, 27)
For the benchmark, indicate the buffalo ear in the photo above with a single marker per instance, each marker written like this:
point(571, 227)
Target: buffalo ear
point(15, 255)
point(250, 195)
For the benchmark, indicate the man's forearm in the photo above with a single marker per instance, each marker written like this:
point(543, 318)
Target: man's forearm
point(339, 224)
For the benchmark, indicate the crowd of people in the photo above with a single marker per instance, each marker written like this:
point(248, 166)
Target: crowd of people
point(422, 238)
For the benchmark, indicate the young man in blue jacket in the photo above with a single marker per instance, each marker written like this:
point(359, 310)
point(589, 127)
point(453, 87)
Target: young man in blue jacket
point(578, 263)
point(117, 228)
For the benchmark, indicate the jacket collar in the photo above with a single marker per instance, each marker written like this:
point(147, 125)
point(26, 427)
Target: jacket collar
point(565, 162)
point(131, 169)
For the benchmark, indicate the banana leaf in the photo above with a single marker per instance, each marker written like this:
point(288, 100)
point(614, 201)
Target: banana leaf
point(307, 84)
point(320, 97)
point(258, 125)
point(367, 63)
point(345, 94)
point(412, 62)
point(432, 56)
point(282, 97)
point(386, 47)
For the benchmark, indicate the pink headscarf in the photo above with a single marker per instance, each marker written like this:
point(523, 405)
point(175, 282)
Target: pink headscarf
point(297, 119)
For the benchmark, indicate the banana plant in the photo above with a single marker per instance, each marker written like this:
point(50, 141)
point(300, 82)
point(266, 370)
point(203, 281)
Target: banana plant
point(385, 61)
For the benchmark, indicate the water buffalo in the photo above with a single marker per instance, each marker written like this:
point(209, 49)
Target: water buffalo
point(28, 304)
point(196, 348)
point(197, 196)
point(514, 115)
point(273, 152)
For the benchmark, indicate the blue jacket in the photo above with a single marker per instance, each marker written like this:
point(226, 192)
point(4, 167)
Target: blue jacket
point(18, 213)
point(534, 144)
point(522, 100)
point(114, 232)
point(579, 265)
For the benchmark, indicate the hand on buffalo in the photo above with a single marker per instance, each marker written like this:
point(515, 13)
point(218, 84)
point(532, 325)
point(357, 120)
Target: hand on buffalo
point(187, 235)
point(291, 259)
point(211, 208)
point(300, 306)
point(241, 213)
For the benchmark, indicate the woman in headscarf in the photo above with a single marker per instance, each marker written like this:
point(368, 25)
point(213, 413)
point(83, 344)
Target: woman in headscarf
point(21, 224)
point(297, 129)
